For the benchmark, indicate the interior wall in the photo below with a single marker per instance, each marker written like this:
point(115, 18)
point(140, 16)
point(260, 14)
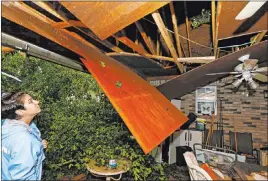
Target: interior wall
point(246, 108)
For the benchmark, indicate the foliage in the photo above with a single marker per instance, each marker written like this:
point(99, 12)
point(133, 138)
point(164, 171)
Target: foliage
point(77, 120)
point(203, 18)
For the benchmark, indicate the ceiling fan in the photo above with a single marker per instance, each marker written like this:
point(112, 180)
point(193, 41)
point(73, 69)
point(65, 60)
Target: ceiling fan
point(251, 8)
point(247, 70)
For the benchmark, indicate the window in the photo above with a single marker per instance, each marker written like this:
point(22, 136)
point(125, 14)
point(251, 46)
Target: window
point(206, 100)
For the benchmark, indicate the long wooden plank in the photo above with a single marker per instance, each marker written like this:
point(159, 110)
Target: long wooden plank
point(125, 40)
point(175, 27)
point(191, 60)
point(145, 37)
point(187, 28)
point(259, 37)
point(213, 11)
point(112, 16)
point(197, 77)
point(219, 7)
point(66, 24)
point(161, 26)
point(150, 117)
point(49, 9)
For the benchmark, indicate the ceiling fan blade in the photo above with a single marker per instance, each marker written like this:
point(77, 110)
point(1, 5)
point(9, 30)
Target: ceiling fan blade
point(236, 76)
point(223, 73)
point(261, 69)
point(244, 57)
point(253, 85)
point(239, 68)
point(238, 82)
point(260, 77)
point(250, 64)
point(251, 8)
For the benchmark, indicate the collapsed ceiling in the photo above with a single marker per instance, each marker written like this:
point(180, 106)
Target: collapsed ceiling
point(150, 38)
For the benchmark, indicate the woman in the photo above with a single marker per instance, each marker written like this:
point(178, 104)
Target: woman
point(22, 146)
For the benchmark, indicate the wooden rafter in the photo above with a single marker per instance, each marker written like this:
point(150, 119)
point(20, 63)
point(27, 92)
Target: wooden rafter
point(132, 102)
point(217, 27)
point(198, 76)
point(66, 24)
point(175, 27)
point(145, 38)
point(213, 24)
point(46, 20)
point(126, 41)
point(157, 46)
point(75, 24)
point(199, 60)
point(159, 22)
point(44, 5)
point(187, 28)
point(259, 37)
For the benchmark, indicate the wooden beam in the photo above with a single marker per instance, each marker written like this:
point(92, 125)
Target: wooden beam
point(159, 22)
point(152, 43)
point(44, 5)
point(175, 27)
point(259, 37)
point(136, 105)
point(187, 28)
point(130, 44)
point(107, 18)
point(46, 20)
point(217, 27)
point(145, 37)
point(157, 45)
point(66, 24)
point(201, 60)
point(74, 24)
point(189, 81)
point(213, 24)
point(34, 13)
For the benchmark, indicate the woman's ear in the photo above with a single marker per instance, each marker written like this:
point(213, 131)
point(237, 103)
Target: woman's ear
point(20, 112)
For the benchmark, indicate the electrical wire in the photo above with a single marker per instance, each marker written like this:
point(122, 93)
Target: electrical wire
point(199, 43)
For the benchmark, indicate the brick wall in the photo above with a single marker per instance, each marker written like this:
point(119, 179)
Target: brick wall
point(247, 108)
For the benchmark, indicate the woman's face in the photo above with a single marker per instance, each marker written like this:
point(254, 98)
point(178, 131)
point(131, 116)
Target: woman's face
point(31, 106)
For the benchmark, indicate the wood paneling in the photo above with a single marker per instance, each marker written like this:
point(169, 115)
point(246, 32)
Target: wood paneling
point(76, 24)
point(229, 27)
point(107, 18)
point(150, 117)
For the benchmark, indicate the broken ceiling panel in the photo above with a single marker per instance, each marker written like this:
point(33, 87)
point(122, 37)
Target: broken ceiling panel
point(150, 117)
point(107, 18)
point(229, 27)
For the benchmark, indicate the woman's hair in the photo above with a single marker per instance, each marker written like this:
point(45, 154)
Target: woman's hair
point(10, 102)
